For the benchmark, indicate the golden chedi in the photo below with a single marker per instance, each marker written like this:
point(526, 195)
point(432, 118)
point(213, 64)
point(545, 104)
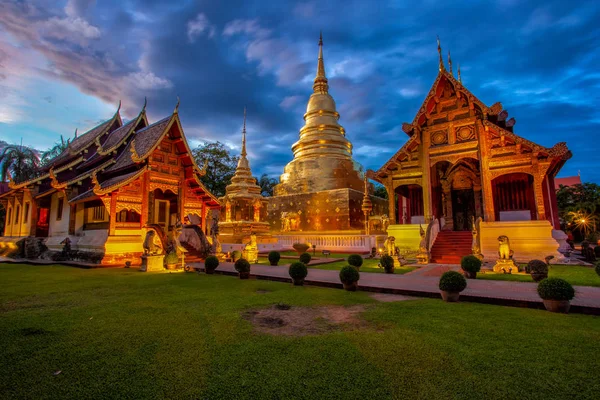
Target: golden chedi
point(243, 208)
point(321, 188)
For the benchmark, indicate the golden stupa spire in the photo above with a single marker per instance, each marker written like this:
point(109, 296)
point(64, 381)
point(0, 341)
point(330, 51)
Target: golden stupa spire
point(450, 63)
point(441, 66)
point(244, 136)
point(320, 85)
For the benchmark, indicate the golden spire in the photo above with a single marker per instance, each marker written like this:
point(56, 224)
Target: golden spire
point(459, 78)
point(450, 63)
point(320, 85)
point(441, 66)
point(244, 136)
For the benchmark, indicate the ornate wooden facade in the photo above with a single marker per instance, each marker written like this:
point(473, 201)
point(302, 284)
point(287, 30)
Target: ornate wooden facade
point(110, 184)
point(462, 160)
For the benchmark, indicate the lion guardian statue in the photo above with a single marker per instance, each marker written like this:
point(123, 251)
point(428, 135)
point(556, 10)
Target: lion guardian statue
point(504, 250)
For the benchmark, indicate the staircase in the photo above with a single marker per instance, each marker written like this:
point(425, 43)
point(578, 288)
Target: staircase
point(450, 246)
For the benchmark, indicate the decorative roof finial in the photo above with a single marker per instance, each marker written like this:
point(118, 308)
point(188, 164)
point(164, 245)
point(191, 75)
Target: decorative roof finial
point(320, 85)
point(75, 133)
point(450, 63)
point(459, 78)
point(145, 103)
point(119, 108)
point(244, 135)
point(176, 110)
point(441, 66)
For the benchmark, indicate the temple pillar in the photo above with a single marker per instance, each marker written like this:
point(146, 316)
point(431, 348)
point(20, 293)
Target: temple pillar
point(33, 220)
point(477, 194)
point(145, 200)
point(538, 190)
point(489, 214)
point(204, 215)
point(426, 187)
point(112, 218)
point(391, 200)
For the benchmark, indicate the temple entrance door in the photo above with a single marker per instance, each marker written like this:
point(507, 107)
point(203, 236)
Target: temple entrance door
point(463, 208)
point(161, 214)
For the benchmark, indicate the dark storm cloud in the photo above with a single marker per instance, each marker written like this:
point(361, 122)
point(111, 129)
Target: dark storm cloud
point(538, 58)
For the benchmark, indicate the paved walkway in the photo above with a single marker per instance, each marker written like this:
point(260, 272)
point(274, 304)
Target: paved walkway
point(424, 281)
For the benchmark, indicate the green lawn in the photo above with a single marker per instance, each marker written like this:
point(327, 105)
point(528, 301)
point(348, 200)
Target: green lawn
point(574, 274)
point(122, 333)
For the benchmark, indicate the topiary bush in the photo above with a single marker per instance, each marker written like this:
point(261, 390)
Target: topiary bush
point(598, 268)
point(597, 251)
point(211, 263)
point(555, 289)
point(470, 263)
point(387, 263)
point(305, 258)
point(355, 260)
point(274, 257)
point(171, 258)
point(298, 270)
point(236, 255)
point(349, 274)
point(452, 282)
point(242, 265)
point(536, 267)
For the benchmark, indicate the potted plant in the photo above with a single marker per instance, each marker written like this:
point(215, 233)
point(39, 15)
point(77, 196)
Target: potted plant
point(349, 276)
point(451, 284)
point(305, 258)
point(470, 265)
point(274, 258)
point(171, 260)
point(236, 255)
point(301, 247)
point(597, 268)
point(210, 264)
point(298, 272)
point(387, 263)
point(242, 266)
point(538, 270)
point(355, 260)
point(556, 294)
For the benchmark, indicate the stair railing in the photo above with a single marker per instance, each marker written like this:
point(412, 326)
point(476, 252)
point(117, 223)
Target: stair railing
point(432, 231)
point(476, 231)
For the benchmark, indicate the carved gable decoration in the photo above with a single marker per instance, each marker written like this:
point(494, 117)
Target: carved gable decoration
point(439, 137)
point(465, 133)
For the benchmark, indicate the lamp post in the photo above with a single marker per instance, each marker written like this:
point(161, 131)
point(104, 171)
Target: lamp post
point(367, 206)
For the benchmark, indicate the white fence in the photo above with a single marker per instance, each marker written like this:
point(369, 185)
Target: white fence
point(337, 243)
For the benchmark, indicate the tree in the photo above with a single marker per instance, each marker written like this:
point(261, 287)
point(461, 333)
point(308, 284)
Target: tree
point(20, 162)
point(55, 150)
point(380, 191)
point(220, 166)
point(266, 185)
point(579, 206)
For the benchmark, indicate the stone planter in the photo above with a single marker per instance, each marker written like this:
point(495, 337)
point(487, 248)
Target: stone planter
point(538, 277)
point(557, 306)
point(171, 267)
point(244, 275)
point(350, 286)
point(209, 271)
point(389, 270)
point(470, 275)
point(298, 281)
point(273, 264)
point(450, 297)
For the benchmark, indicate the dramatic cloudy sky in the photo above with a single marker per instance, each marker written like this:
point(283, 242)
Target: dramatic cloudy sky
point(66, 65)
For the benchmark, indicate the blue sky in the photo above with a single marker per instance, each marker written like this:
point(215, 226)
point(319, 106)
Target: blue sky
point(66, 65)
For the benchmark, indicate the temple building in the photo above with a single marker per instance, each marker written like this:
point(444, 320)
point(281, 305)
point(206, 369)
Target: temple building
point(243, 208)
point(109, 187)
point(321, 189)
point(463, 161)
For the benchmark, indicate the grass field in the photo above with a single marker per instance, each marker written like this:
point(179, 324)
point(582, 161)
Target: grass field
point(574, 274)
point(121, 333)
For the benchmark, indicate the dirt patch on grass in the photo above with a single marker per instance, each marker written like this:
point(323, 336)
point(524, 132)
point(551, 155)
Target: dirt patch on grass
point(263, 291)
point(301, 321)
point(388, 297)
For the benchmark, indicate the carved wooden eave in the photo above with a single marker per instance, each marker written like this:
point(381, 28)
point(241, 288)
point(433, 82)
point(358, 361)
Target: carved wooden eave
point(20, 185)
point(516, 138)
point(201, 186)
point(99, 190)
point(141, 117)
point(394, 160)
point(432, 94)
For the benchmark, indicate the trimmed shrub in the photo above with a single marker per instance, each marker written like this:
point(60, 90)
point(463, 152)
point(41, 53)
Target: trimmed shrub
point(349, 274)
point(211, 262)
point(555, 289)
point(387, 263)
point(453, 282)
point(236, 255)
point(305, 258)
point(355, 260)
point(470, 263)
point(274, 257)
point(536, 267)
point(597, 251)
point(171, 258)
point(298, 270)
point(242, 265)
point(598, 268)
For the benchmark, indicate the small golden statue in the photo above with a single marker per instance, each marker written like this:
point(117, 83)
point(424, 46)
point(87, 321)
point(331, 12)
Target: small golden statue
point(423, 256)
point(505, 263)
point(250, 252)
